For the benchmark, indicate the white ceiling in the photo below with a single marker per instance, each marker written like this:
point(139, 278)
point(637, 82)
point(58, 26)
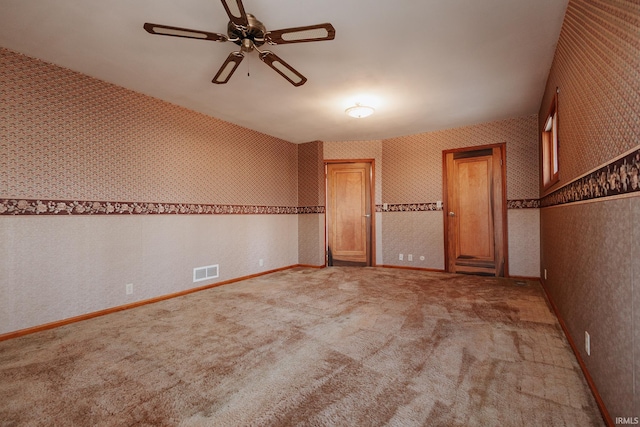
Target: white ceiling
point(424, 65)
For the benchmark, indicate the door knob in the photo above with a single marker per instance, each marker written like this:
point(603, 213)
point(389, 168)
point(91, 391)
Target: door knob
point(452, 214)
point(367, 216)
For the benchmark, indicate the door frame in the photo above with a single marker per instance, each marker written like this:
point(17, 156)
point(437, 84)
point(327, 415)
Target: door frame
point(372, 219)
point(445, 208)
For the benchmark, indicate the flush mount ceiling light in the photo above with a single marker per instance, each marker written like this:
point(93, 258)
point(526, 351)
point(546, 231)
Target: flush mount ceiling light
point(359, 111)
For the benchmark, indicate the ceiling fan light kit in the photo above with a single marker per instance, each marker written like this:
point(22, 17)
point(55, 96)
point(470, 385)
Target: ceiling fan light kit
point(250, 34)
point(359, 111)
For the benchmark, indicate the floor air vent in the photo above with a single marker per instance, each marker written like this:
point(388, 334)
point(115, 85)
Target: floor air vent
point(204, 273)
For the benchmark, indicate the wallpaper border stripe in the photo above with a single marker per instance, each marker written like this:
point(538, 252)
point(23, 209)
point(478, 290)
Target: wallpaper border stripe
point(79, 207)
point(88, 207)
point(408, 207)
point(425, 207)
point(620, 176)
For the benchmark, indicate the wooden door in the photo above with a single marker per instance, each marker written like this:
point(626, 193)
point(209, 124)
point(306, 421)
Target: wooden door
point(349, 209)
point(475, 210)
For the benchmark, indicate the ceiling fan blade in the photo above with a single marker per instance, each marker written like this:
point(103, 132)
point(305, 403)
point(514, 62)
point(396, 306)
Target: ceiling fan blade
point(282, 68)
point(166, 30)
point(226, 71)
point(237, 15)
point(310, 33)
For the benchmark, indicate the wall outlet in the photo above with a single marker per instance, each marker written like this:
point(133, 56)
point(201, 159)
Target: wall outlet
point(421, 258)
point(385, 206)
point(410, 257)
point(587, 343)
point(439, 204)
point(261, 262)
point(129, 288)
point(400, 257)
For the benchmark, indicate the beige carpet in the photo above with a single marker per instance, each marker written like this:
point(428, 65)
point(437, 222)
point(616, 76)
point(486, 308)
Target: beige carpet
point(339, 346)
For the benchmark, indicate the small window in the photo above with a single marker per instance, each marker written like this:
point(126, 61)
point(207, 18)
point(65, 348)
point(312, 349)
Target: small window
point(550, 146)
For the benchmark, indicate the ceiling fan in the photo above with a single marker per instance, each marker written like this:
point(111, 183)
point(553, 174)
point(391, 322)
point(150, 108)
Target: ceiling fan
point(249, 33)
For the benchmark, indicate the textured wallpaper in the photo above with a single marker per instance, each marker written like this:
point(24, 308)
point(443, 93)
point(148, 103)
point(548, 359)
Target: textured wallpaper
point(589, 231)
point(311, 201)
point(409, 180)
point(310, 174)
point(585, 250)
point(68, 136)
point(95, 153)
point(412, 170)
point(412, 184)
point(597, 71)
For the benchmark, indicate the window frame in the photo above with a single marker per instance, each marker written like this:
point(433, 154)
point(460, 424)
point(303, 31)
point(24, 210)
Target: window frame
point(549, 146)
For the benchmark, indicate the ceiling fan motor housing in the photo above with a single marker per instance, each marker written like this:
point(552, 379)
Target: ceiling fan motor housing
point(247, 38)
